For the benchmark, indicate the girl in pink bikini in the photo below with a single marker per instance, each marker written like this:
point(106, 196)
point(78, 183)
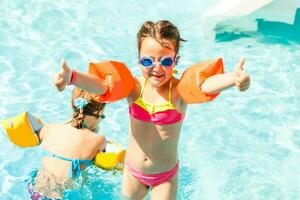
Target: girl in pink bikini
point(157, 109)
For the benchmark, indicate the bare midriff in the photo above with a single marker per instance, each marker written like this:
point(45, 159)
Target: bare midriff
point(153, 148)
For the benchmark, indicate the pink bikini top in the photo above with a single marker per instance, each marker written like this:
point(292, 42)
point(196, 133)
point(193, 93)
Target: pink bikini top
point(164, 113)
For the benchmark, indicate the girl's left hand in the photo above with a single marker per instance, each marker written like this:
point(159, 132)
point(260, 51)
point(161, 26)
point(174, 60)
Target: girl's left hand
point(242, 78)
point(64, 77)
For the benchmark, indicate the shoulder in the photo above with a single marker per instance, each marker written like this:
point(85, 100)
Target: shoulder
point(93, 138)
point(44, 131)
point(99, 138)
point(98, 141)
point(136, 91)
point(180, 104)
point(175, 81)
point(49, 129)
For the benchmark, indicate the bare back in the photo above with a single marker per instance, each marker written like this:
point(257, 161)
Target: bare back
point(69, 142)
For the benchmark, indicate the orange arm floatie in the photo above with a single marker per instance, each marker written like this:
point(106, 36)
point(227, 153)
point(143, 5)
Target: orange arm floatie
point(192, 78)
point(122, 81)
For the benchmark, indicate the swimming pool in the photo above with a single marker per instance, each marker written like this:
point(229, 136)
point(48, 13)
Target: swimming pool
point(241, 146)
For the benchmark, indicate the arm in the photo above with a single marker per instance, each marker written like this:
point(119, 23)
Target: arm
point(91, 83)
point(85, 81)
point(101, 142)
point(109, 80)
point(220, 82)
point(42, 132)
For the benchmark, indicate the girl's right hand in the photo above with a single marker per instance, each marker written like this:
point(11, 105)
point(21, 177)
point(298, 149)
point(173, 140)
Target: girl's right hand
point(242, 78)
point(64, 77)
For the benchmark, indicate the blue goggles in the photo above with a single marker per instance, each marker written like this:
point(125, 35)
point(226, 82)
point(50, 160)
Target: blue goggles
point(165, 61)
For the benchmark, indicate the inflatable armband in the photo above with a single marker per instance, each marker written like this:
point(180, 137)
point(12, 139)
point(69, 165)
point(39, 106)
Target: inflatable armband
point(112, 158)
point(122, 82)
point(22, 129)
point(189, 86)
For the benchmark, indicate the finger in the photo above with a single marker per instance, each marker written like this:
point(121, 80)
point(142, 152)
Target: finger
point(64, 65)
point(243, 77)
point(60, 87)
point(239, 80)
point(240, 67)
point(242, 89)
point(60, 82)
point(242, 83)
point(246, 80)
point(241, 64)
point(58, 78)
point(237, 83)
point(245, 84)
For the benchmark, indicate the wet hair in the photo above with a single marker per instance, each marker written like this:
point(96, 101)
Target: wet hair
point(161, 30)
point(91, 108)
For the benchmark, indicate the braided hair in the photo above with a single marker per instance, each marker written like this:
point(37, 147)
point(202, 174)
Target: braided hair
point(91, 107)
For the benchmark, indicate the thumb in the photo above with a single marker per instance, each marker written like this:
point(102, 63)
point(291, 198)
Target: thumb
point(240, 67)
point(64, 65)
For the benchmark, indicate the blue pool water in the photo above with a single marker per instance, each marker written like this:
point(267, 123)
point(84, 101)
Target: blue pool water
point(241, 146)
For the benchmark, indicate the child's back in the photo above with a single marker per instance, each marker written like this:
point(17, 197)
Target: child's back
point(68, 148)
point(69, 142)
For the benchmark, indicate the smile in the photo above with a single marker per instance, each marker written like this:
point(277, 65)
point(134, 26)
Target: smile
point(156, 75)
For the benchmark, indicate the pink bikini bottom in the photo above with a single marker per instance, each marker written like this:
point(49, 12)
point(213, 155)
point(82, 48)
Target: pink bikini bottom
point(152, 179)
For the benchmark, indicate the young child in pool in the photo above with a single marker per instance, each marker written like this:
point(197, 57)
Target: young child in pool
point(68, 148)
point(156, 110)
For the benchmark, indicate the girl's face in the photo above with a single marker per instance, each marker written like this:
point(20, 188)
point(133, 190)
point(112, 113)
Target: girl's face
point(157, 75)
point(93, 121)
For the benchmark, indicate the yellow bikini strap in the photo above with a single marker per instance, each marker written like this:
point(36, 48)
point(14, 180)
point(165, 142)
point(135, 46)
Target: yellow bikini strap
point(170, 90)
point(143, 87)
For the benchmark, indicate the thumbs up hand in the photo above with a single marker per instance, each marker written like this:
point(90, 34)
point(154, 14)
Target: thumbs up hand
point(242, 79)
point(64, 77)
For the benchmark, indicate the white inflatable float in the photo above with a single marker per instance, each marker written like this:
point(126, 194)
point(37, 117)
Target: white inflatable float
point(243, 15)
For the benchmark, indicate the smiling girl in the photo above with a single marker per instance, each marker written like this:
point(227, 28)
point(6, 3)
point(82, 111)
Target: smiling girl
point(157, 109)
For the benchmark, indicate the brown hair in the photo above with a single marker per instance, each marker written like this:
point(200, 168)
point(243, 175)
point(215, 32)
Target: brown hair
point(90, 109)
point(160, 30)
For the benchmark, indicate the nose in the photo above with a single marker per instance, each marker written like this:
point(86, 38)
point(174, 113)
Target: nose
point(157, 65)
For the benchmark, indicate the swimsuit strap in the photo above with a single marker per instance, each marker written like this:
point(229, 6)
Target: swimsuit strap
point(53, 155)
point(170, 90)
point(143, 87)
point(75, 163)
